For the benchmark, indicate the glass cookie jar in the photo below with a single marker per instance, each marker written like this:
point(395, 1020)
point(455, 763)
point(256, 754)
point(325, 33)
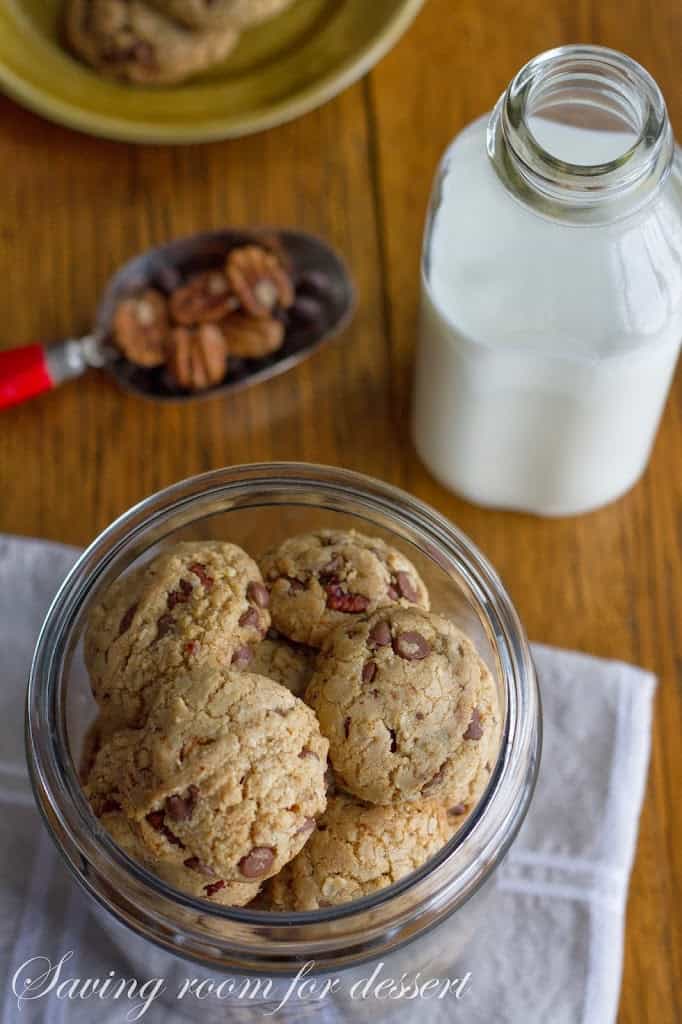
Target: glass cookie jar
point(552, 289)
point(420, 923)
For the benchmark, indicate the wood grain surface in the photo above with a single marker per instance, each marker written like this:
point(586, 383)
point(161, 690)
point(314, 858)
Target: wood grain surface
point(359, 172)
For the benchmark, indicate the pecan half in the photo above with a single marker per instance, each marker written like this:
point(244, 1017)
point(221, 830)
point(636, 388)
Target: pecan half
point(249, 337)
point(140, 328)
point(197, 357)
point(206, 298)
point(259, 280)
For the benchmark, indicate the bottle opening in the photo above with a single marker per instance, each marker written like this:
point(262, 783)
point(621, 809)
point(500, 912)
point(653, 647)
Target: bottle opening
point(581, 125)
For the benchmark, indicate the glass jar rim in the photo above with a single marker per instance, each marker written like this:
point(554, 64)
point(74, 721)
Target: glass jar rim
point(440, 886)
point(584, 192)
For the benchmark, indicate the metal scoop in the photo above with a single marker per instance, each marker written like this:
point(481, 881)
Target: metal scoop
point(325, 301)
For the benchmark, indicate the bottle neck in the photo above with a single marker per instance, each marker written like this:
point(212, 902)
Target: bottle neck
point(582, 134)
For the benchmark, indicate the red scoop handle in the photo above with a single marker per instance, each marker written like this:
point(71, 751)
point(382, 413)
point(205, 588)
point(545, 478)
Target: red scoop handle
point(24, 373)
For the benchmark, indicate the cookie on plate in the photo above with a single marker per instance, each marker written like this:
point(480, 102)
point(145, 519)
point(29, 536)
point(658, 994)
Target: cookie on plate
point(129, 40)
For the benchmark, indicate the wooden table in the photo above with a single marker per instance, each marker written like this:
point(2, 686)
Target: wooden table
point(359, 172)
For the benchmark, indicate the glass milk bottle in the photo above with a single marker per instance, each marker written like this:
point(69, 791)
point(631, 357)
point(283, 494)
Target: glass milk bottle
point(552, 289)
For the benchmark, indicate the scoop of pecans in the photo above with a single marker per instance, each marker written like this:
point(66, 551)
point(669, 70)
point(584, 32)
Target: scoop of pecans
point(232, 310)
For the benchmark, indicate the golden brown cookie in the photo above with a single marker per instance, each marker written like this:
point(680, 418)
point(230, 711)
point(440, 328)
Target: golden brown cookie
point(228, 775)
point(188, 876)
point(357, 849)
point(130, 40)
point(192, 604)
point(405, 702)
point(319, 580)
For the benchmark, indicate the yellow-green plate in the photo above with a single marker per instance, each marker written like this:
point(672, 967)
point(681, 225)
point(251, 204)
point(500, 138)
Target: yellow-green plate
point(279, 71)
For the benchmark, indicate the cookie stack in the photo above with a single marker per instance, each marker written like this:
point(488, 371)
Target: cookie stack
point(223, 687)
point(159, 42)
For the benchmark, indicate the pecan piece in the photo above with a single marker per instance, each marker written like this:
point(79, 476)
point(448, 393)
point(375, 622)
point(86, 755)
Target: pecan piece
point(259, 280)
point(249, 337)
point(197, 357)
point(340, 601)
point(206, 298)
point(179, 596)
point(214, 887)
point(140, 328)
point(199, 569)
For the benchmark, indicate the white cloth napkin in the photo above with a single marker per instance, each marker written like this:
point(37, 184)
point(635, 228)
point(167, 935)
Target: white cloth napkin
point(552, 946)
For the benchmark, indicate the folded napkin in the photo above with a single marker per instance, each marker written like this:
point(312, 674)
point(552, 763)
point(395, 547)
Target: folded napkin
point(551, 947)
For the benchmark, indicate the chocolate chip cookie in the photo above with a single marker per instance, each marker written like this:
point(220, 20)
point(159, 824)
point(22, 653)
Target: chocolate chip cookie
point(405, 702)
point(194, 603)
point(355, 850)
point(226, 778)
point(319, 580)
point(129, 40)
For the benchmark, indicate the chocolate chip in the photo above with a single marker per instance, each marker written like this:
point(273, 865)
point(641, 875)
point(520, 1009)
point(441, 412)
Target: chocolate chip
point(164, 626)
point(379, 635)
point(435, 782)
point(474, 729)
point(419, 716)
point(181, 808)
point(411, 646)
point(394, 741)
point(200, 570)
point(308, 753)
point(242, 656)
point(110, 806)
point(369, 670)
point(258, 862)
point(179, 596)
point(127, 619)
point(155, 819)
point(194, 864)
point(329, 572)
point(258, 594)
point(214, 887)
point(250, 618)
point(458, 810)
point(406, 587)
point(346, 727)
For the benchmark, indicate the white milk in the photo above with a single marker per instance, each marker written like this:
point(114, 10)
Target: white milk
point(546, 348)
